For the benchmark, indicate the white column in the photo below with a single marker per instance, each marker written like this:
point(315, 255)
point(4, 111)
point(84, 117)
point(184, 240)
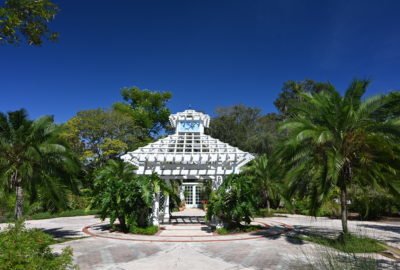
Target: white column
point(182, 192)
point(166, 207)
point(166, 203)
point(156, 209)
point(216, 183)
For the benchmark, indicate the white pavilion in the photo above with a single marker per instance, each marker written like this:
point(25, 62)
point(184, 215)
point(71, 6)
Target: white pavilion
point(188, 155)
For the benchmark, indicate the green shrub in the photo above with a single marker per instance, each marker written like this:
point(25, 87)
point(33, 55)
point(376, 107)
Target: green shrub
point(150, 230)
point(329, 208)
point(122, 195)
point(373, 204)
point(81, 201)
point(265, 212)
point(234, 201)
point(240, 229)
point(23, 248)
point(68, 213)
point(7, 204)
point(222, 231)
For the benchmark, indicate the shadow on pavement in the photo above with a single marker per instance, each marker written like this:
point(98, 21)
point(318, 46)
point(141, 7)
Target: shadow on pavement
point(61, 233)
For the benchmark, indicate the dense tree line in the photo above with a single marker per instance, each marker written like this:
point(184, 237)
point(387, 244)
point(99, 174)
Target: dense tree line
point(326, 151)
point(311, 155)
point(52, 167)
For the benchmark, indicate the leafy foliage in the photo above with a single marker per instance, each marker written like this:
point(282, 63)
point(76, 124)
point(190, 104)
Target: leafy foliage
point(241, 229)
point(120, 194)
point(246, 128)
point(234, 201)
point(265, 178)
point(35, 159)
point(23, 248)
point(336, 142)
point(150, 230)
point(67, 213)
point(147, 108)
point(373, 203)
point(98, 135)
point(292, 91)
point(27, 19)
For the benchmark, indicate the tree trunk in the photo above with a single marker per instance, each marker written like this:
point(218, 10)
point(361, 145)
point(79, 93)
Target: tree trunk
point(122, 224)
point(19, 202)
point(266, 197)
point(343, 208)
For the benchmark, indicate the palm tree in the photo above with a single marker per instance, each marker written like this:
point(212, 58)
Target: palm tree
point(264, 176)
point(32, 158)
point(336, 141)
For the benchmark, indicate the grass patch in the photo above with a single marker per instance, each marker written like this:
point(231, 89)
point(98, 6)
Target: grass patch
point(264, 212)
point(68, 213)
point(348, 243)
point(241, 229)
point(150, 230)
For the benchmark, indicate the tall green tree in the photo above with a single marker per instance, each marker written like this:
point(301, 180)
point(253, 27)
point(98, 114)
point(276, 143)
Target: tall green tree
point(98, 135)
point(32, 156)
point(147, 108)
point(266, 179)
point(246, 128)
point(292, 91)
point(338, 141)
point(27, 19)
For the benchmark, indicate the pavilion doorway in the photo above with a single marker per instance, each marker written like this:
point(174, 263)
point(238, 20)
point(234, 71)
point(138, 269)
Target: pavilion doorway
point(192, 195)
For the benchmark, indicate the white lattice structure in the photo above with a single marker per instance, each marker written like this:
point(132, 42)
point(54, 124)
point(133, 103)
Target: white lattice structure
point(189, 154)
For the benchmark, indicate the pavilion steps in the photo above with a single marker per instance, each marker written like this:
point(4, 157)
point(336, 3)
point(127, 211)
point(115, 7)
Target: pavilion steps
point(186, 220)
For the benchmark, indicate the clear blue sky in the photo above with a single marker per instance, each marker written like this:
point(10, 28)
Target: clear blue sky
point(207, 53)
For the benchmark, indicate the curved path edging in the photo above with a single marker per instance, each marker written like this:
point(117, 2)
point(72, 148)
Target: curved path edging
point(198, 238)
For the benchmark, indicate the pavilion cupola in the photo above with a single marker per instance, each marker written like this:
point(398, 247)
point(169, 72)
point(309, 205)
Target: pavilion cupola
point(189, 121)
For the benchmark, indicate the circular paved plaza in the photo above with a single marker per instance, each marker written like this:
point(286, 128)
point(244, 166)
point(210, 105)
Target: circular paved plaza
point(194, 247)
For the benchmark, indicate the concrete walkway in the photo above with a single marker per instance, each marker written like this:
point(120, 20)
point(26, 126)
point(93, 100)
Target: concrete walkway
point(388, 232)
point(268, 252)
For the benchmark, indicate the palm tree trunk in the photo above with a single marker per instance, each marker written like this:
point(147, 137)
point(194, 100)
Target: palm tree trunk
point(343, 208)
point(19, 202)
point(268, 206)
point(19, 193)
point(266, 198)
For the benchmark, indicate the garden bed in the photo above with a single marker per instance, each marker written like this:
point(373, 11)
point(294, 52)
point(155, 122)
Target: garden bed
point(349, 243)
point(150, 230)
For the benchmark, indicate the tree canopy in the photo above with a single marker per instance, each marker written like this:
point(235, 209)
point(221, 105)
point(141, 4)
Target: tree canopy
point(97, 135)
point(338, 141)
point(27, 19)
point(147, 108)
point(246, 128)
point(292, 90)
point(33, 158)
